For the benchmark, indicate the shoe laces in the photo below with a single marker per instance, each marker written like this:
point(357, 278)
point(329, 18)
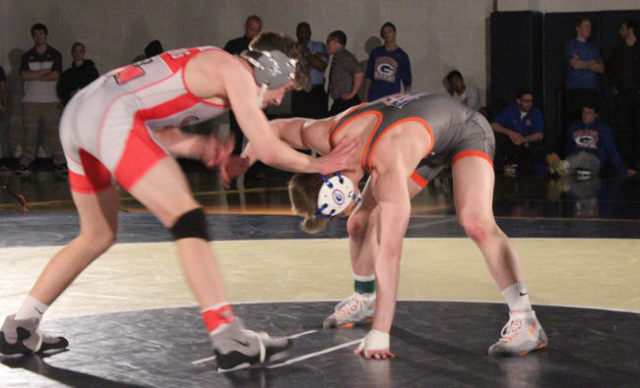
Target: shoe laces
point(512, 329)
point(352, 303)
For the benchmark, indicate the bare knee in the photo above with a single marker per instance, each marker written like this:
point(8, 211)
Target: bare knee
point(477, 226)
point(98, 241)
point(357, 225)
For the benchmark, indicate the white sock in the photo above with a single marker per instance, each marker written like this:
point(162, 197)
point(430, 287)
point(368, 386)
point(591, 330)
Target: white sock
point(361, 278)
point(517, 297)
point(31, 308)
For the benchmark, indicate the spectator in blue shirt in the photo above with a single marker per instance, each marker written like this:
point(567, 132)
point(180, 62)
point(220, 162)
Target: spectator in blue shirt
point(311, 102)
point(589, 147)
point(386, 67)
point(519, 130)
point(584, 63)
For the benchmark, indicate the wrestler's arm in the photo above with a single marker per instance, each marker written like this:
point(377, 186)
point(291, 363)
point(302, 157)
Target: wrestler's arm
point(268, 148)
point(208, 149)
point(287, 130)
point(390, 189)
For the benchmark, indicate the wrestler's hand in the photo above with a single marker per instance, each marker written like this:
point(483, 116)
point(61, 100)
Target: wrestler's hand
point(375, 345)
point(217, 151)
point(233, 167)
point(338, 158)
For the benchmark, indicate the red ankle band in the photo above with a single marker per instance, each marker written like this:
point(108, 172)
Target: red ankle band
point(218, 317)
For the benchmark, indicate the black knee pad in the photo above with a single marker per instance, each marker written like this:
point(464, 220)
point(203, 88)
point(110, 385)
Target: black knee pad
point(191, 224)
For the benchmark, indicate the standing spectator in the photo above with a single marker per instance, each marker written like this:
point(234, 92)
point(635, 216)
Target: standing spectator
point(387, 65)
point(312, 101)
point(346, 74)
point(81, 73)
point(519, 130)
point(40, 69)
point(4, 128)
point(252, 27)
point(583, 66)
point(623, 71)
point(589, 146)
point(466, 95)
point(151, 50)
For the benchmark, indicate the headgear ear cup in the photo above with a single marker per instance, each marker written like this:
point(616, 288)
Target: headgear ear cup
point(272, 68)
point(335, 196)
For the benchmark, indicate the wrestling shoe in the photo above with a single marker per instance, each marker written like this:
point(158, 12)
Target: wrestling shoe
point(556, 165)
point(23, 337)
point(236, 347)
point(521, 335)
point(356, 309)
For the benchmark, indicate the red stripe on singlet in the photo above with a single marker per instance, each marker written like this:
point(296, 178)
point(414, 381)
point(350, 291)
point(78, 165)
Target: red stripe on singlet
point(96, 177)
point(140, 154)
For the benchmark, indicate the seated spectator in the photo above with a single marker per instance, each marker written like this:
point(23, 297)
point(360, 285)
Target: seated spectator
point(589, 146)
point(519, 130)
point(467, 95)
point(81, 73)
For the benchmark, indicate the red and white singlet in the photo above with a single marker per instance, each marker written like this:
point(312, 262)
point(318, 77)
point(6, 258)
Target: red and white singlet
point(106, 129)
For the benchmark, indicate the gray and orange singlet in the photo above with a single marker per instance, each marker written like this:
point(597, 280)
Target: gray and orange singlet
point(456, 131)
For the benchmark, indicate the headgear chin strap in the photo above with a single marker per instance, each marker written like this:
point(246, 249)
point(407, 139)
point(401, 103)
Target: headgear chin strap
point(335, 195)
point(272, 68)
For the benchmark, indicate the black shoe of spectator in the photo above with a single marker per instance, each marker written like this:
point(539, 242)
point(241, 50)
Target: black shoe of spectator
point(23, 170)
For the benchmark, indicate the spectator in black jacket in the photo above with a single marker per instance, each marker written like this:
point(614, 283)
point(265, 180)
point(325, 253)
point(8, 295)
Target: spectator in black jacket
point(81, 73)
point(252, 27)
point(623, 71)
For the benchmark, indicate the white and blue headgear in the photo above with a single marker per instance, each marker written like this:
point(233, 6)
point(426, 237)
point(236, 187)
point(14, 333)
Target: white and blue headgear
point(335, 195)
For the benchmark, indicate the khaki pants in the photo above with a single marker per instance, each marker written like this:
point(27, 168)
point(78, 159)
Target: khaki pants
point(41, 121)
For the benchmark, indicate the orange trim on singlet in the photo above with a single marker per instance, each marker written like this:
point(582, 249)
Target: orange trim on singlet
point(184, 82)
point(420, 181)
point(348, 112)
point(367, 163)
point(464, 154)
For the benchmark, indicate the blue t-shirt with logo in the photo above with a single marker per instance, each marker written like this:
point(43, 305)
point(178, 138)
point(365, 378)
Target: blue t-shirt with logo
point(386, 69)
point(583, 78)
point(510, 117)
